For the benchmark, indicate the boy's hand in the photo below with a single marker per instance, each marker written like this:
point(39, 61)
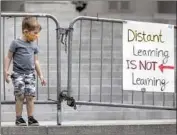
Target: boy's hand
point(7, 79)
point(43, 82)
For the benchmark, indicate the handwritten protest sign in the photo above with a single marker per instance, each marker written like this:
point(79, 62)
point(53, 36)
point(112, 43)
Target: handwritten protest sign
point(148, 57)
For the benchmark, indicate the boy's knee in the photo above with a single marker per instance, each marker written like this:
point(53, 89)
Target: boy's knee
point(29, 98)
point(20, 98)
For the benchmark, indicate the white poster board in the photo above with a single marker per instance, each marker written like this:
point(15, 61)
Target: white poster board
point(148, 57)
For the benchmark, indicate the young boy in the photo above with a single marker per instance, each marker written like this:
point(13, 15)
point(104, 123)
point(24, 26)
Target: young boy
point(24, 52)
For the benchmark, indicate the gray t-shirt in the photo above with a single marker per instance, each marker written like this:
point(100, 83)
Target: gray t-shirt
point(23, 57)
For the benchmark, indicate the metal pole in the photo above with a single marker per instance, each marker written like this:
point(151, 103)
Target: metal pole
point(175, 59)
point(0, 70)
point(69, 84)
point(59, 106)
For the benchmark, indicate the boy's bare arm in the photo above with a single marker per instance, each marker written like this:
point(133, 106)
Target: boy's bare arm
point(8, 59)
point(37, 66)
point(38, 70)
point(7, 62)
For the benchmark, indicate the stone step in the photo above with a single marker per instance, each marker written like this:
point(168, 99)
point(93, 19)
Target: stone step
point(130, 127)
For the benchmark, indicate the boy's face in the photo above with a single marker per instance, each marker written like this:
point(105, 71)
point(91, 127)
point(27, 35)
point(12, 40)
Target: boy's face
point(31, 35)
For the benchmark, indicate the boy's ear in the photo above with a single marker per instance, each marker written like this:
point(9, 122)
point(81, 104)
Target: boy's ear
point(25, 31)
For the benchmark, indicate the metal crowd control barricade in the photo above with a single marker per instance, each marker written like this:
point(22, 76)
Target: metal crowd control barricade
point(94, 76)
point(95, 67)
point(11, 29)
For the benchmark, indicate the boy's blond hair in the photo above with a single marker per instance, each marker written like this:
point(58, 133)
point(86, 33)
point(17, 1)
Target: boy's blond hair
point(30, 23)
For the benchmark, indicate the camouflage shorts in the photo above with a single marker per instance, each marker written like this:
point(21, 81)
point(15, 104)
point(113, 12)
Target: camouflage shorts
point(24, 84)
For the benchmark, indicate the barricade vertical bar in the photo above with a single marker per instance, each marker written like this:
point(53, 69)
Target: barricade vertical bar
point(122, 91)
point(153, 98)
point(90, 64)
point(143, 94)
point(69, 84)
point(80, 49)
point(0, 72)
point(15, 28)
point(48, 95)
point(175, 60)
point(173, 99)
point(163, 98)
point(101, 74)
point(143, 97)
point(112, 42)
point(59, 108)
point(132, 96)
point(3, 53)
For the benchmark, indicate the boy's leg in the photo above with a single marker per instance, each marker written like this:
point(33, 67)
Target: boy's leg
point(19, 85)
point(19, 105)
point(30, 105)
point(30, 109)
point(19, 108)
point(30, 91)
